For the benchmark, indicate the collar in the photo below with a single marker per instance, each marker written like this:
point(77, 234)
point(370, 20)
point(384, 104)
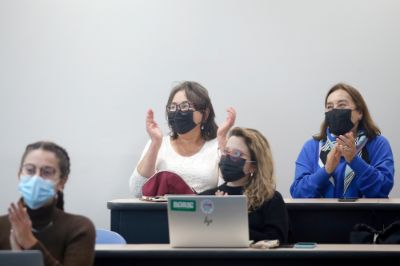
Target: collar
point(233, 190)
point(43, 217)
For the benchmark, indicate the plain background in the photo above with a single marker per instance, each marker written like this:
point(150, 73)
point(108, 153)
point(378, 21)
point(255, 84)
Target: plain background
point(84, 73)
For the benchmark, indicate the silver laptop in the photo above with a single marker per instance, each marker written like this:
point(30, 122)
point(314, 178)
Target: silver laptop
point(208, 221)
point(21, 258)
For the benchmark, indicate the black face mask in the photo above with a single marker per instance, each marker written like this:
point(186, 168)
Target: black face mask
point(231, 170)
point(181, 122)
point(171, 120)
point(339, 121)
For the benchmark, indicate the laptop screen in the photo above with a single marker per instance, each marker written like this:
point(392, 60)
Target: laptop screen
point(21, 258)
point(208, 221)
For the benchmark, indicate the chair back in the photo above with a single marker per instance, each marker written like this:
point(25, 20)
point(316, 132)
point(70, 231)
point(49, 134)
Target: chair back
point(104, 236)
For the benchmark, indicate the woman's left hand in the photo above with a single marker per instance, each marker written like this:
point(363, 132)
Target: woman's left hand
point(225, 126)
point(21, 227)
point(347, 145)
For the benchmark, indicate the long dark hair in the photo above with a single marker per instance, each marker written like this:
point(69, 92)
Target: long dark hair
point(198, 95)
point(366, 123)
point(63, 162)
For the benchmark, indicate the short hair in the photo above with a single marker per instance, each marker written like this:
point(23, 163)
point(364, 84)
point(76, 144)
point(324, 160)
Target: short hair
point(198, 95)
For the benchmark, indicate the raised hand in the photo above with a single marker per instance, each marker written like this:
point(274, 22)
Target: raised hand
point(21, 227)
point(225, 127)
point(152, 128)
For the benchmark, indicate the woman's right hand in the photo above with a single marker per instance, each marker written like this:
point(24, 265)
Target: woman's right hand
point(152, 128)
point(21, 225)
point(333, 159)
point(13, 242)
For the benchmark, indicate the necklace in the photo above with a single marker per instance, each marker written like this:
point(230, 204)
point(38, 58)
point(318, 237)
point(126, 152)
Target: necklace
point(42, 229)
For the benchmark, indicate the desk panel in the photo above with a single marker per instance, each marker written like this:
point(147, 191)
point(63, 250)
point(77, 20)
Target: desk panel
point(316, 220)
point(330, 221)
point(163, 254)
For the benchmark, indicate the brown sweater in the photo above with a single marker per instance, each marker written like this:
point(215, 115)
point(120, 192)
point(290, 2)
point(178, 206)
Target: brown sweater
point(64, 239)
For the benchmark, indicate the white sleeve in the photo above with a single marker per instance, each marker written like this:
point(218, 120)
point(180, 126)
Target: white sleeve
point(136, 181)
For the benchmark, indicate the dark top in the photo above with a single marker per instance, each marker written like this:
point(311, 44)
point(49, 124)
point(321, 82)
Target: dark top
point(269, 221)
point(63, 238)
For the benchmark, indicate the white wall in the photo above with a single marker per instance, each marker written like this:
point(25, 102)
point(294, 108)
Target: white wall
point(83, 73)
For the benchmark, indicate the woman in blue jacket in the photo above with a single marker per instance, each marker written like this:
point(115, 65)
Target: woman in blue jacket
point(349, 157)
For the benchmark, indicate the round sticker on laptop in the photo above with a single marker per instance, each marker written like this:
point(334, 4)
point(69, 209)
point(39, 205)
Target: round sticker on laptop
point(207, 206)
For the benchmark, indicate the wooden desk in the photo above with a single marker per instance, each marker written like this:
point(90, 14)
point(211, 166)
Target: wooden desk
point(323, 254)
point(316, 220)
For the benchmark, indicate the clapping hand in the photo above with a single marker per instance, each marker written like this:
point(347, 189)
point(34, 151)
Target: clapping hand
point(152, 128)
point(347, 146)
point(225, 126)
point(21, 236)
point(333, 159)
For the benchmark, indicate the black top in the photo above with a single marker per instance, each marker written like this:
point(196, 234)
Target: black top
point(269, 221)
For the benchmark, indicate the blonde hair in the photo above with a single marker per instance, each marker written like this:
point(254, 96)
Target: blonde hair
point(262, 185)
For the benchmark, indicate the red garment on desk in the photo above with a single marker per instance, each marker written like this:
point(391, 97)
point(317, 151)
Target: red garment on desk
point(165, 182)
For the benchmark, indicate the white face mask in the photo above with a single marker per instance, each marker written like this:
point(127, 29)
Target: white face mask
point(36, 191)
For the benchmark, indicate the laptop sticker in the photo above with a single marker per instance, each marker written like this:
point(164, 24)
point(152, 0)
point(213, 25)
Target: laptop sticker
point(207, 206)
point(183, 205)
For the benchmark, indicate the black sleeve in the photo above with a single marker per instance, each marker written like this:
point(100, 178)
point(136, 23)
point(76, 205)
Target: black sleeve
point(209, 192)
point(270, 221)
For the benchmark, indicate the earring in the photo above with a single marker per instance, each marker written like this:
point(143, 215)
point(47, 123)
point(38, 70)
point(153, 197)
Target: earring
point(251, 174)
point(202, 126)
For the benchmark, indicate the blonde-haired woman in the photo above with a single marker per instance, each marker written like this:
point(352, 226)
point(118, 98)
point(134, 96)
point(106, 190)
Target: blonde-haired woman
point(247, 167)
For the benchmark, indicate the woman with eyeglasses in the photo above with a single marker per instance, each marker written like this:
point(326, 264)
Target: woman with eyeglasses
point(349, 158)
point(191, 149)
point(247, 168)
point(35, 222)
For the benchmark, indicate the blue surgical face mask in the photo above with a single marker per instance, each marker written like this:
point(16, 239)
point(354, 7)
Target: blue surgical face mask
point(36, 191)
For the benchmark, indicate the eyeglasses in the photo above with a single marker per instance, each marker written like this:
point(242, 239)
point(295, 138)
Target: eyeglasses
point(235, 154)
point(45, 171)
point(183, 106)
